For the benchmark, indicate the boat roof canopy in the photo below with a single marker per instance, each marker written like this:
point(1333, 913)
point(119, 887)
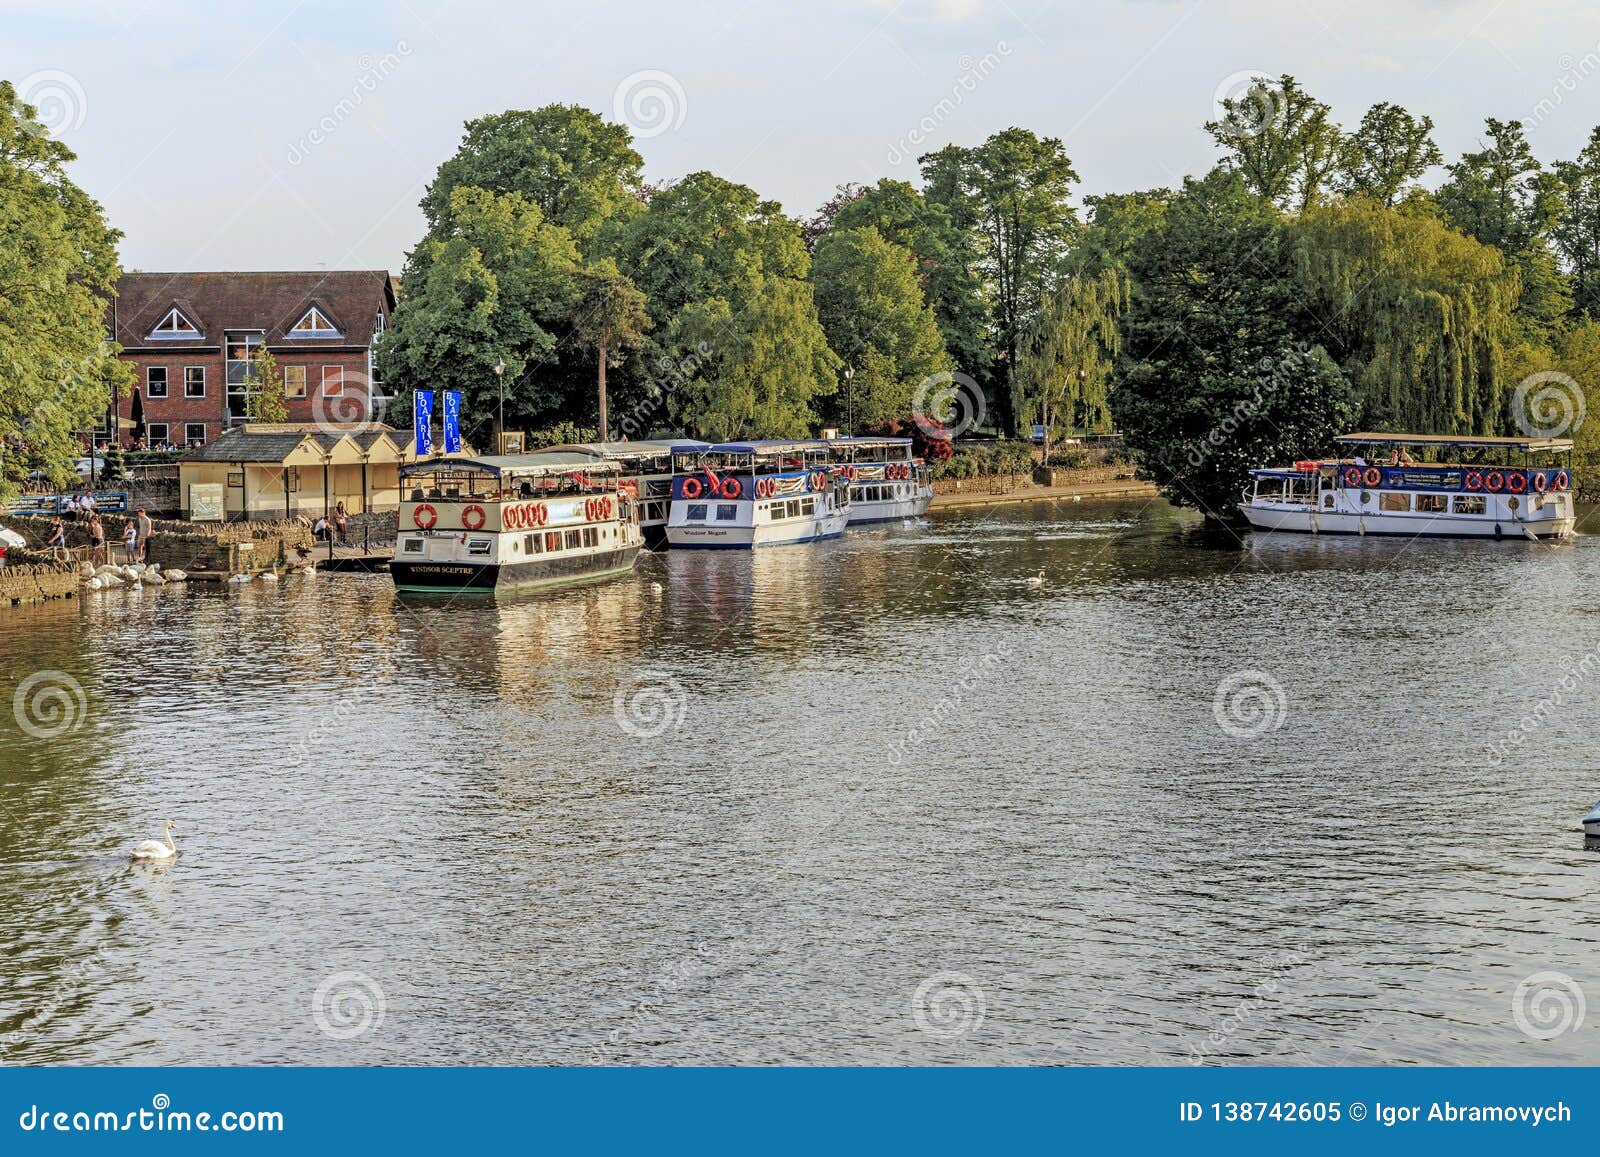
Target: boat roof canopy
point(540, 465)
point(869, 440)
point(1524, 444)
point(646, 448)
point(767, 446)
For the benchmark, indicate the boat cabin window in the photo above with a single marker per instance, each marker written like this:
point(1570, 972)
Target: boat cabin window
point(479, 546)
point(727, 512)
point(1470, 504)
point(591, 536)
point(411, 545)
point(574, 539)
point(531, 544)
point(697, 511)
point(552, 540)
point(1431, 503)
point(1390, 501)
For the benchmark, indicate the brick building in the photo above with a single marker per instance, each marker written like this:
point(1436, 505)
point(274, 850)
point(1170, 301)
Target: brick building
point(190, 337)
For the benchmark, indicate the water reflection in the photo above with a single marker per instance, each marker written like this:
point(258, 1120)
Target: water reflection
point(750, 815)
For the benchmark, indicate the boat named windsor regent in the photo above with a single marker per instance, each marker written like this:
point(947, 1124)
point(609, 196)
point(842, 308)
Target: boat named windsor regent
point(886, 481)
point(748, 494)
point(486, 526)
point(1474, 488)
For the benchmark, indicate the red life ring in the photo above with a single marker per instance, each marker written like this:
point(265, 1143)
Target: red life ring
point(541, 513)
point(819, 480)
point(1372, 477)
point(588, 510)
point(1474, 480)
point(425, 516)
point(1541, 482)
point(609, 508)
point(732, 487)
point(1516, 482)
point(1352, 476)
point(1494, 481)
point(473, 517)
point(763, 488)
point(692, 488)
point(1562, 481)
point(850, 473)
point(511, 517)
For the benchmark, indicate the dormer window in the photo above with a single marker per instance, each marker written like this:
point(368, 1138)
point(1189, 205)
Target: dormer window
point(315, 323)
point(175, 327)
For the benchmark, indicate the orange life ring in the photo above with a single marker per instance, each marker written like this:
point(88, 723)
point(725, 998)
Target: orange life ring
point(1372, 477)
point(732, 487)
point(764, 487)
point(1352, 476)
point(1562, 480)
point(541, 513)
point(1516, 482)
point(692, 488)
point(511, 517)
point(1494, 481)
point(588, 510)
point(1541, 482)
point(850, 473)
point(819, 480)
point(425, 516)
point(473, 517)
point(1474, 480)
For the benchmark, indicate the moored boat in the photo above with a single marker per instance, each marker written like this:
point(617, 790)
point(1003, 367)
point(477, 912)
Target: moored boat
point(748, 494)
point(886, 481)
point(1472, 489)
point(487, 526)
point(646, 470)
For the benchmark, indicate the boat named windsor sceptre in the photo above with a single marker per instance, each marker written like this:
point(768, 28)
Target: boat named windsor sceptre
point(1473, 490)
point(485, 526)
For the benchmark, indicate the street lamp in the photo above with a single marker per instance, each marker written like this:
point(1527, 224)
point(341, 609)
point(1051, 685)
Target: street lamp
point(500, 377)
point(849, 423)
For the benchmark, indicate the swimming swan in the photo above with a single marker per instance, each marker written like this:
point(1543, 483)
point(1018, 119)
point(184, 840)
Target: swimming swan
point(155, 849)
point(1035, 580)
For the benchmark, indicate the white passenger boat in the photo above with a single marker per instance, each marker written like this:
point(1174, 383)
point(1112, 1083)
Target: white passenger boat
point(646, 471)
point(1473, 488)
point(486, 526)
point(748, 494)
point(886, 481)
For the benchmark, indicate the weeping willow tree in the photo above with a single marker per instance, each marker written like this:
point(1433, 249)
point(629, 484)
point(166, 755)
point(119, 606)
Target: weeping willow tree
point(1065, 370)
point(1418, 315)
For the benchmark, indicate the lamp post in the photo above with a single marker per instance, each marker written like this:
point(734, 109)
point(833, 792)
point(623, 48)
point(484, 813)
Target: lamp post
point(849, 423)
point(500, 377)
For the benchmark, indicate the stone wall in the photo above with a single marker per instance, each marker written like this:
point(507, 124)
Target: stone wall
point(29, 577)
point(201, 547)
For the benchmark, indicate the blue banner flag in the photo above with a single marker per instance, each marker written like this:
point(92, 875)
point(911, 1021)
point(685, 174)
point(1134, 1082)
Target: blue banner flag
point(452, 421)
point(422, 421)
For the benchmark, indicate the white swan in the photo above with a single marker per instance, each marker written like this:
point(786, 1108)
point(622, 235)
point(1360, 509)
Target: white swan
point(1035, 580)
point(155, 849)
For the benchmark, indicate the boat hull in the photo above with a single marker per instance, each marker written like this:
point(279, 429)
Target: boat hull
point(893, 510)
point(787, 533)
point(490, 579)
point(1307, 521)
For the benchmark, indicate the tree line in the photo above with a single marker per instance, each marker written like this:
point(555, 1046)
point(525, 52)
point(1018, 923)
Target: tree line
point(1309, 282)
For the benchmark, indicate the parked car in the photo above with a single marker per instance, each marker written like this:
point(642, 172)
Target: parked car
point(82, 466)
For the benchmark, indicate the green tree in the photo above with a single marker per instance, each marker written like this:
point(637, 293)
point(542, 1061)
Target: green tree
point(581, 171)
point(58, 269)
point(1014, 190)
point(871, 308)
point(1213, 376)
point(1419, 315)
point(1387, 154)
point(1066, 369)
point(1281, 140)
point(492, 280)
point(1117, 222)
point(610, 317)
point(1577, 228)
point(264, 399)
point(947, 259)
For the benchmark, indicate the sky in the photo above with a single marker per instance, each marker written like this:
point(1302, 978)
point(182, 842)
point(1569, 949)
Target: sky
point(286, 134)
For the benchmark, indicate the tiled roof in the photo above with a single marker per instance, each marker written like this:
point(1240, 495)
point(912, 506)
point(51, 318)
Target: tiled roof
point(273, 442)
point(274, 302)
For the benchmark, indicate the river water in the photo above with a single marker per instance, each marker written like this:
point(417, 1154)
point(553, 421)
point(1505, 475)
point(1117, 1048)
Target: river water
point(874, 801)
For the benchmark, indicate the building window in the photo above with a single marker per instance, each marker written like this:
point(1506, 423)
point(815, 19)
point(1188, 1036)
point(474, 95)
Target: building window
point(294, 381)
point(175, 326)
point(194, 433)
point(155, 433)
point(315, 323)
point(194, 381)
point(155, 382)
point(332, 381)
point(242, 349)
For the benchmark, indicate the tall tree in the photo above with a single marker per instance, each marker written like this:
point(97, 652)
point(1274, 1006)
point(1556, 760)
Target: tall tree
point(58, 271)
point(1280, 139)
point(1066, 368)
point(581, 171)
point(1419, 315)
point(1015, 189)
point(493, 280)
point(1387, 154)
point(1577, 228)
point(265, 400)
point(1216, 372)
point(872, 309)
point(611, 317)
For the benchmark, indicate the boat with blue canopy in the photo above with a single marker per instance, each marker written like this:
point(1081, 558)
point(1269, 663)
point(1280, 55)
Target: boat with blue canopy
point(887, 481)
point(765, 493)
point(1453, 487)
point(646, 470)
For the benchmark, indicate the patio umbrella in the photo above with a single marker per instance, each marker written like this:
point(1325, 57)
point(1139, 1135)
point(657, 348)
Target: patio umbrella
point(136, 413)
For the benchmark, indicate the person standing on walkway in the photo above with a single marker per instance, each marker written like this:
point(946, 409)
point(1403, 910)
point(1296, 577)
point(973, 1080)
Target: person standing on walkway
point(130, 538)
point(142, 533)
point(97, 539)
point(58, 534)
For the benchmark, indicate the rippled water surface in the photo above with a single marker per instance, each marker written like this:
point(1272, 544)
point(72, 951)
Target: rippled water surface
point(874, 801)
